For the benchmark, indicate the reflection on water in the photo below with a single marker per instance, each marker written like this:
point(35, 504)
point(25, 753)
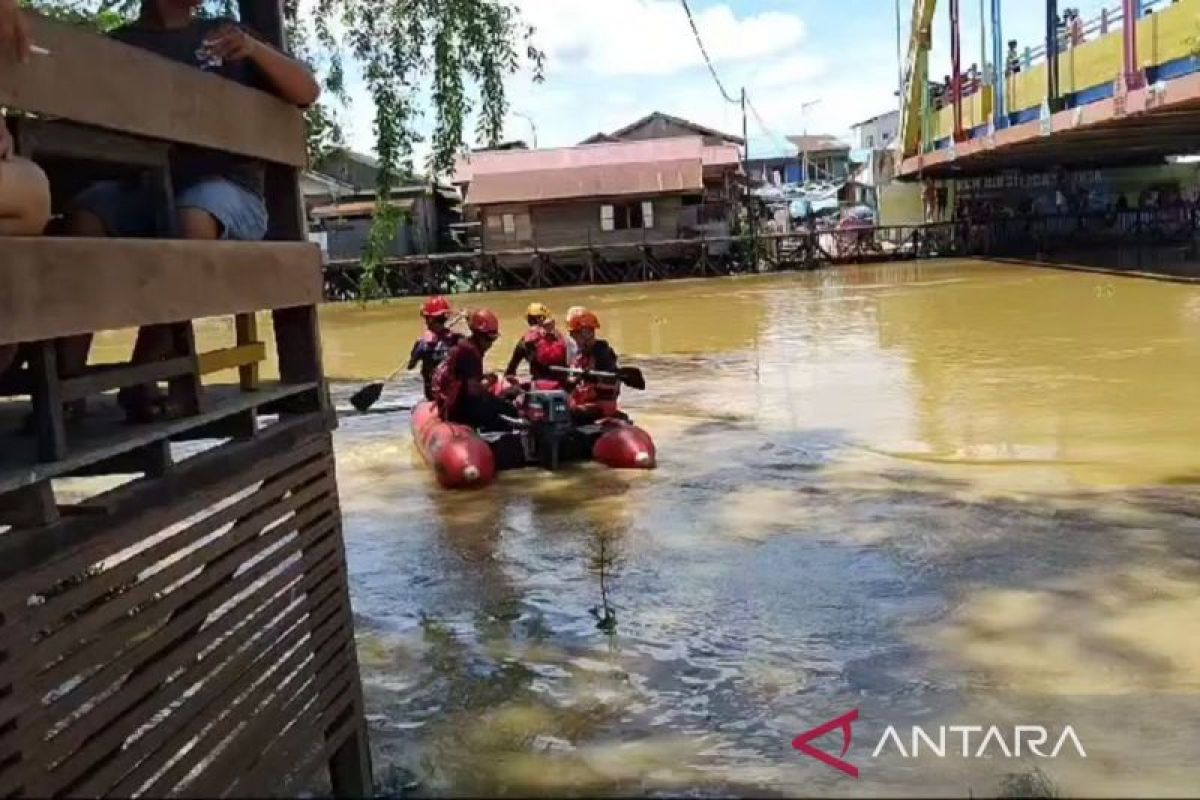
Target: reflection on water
point(950, 493)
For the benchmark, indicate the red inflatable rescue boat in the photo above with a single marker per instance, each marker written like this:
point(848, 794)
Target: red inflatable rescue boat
point(462, 458)
point(459, 457)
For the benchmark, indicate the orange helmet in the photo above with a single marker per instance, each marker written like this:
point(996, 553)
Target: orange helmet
point(584, 320)
point(436, 307)
point(484, 322)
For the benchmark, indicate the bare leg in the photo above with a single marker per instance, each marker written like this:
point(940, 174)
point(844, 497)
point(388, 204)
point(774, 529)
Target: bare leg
point(155, 342)
point(73, 350)
point(24, 198)
point(24, 211)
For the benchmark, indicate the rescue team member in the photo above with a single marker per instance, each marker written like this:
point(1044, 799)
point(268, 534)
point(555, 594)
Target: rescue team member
point(541, 346)
point(592, 398)
point(435, 344)
point(464, 395)
point(24, 190)
point(572, 348)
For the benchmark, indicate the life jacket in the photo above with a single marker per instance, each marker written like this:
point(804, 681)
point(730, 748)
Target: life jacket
point(448, 388)
point(595, 397)
point(544, 350)
point(549, 351)
point(430, 351)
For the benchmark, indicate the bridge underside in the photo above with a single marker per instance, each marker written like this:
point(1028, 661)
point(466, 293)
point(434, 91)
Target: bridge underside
point(1145, 125)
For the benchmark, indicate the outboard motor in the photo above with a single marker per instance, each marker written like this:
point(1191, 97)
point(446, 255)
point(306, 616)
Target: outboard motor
point(549, 418)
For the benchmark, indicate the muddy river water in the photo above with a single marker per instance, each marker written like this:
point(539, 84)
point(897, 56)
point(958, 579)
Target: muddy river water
point(942, 494)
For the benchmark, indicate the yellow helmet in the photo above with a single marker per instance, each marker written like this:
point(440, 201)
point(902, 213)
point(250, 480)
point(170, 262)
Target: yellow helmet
point(537, 310)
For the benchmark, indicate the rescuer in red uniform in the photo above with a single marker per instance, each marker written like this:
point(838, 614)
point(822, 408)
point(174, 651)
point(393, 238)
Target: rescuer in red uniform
point(593, 396)
point(464, 394)
point(435, 344)
point(542, 346)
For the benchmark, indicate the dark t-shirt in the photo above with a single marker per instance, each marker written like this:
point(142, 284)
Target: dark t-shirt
point(191, 165)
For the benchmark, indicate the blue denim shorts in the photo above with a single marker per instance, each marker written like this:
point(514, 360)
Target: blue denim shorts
point(129, 211)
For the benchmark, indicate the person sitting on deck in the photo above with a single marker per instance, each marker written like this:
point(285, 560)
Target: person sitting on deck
point(592, 397)
point(437, 341)
point(464, 394)
point(24, 191)
point(541, 346)
point(217, 195)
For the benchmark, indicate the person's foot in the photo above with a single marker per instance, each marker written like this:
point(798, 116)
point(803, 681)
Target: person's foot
point(73, 413)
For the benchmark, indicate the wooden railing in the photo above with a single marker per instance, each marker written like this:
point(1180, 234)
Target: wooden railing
point(187, 631)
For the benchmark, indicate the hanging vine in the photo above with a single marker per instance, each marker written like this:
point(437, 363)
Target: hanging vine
point(461, 50)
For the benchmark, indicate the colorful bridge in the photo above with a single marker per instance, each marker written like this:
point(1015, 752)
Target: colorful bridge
point(1120, 88)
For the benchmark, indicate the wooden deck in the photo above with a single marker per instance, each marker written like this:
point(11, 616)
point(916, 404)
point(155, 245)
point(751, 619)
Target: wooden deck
point(103, 436)
point(188, 631)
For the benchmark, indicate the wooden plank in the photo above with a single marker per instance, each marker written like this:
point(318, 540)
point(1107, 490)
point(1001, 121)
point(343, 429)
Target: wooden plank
point(41, 139)
point(145, 696)
point(301, 667)
point(152, 460)
point(299, 749)
point(88, 593)
point(106, 378)
point(144, 508)
point(186, 386)
point(244, 355)
point(313, 679)
point(197, 713)
point(238, 426)
point(31, 507)
point(141, 93)
point(275, 634)
point(47, 403)
point(61, 287)
point(289, 724)
point(105, 439)
point(154, 670)
point(247, 340)
point(77, 644)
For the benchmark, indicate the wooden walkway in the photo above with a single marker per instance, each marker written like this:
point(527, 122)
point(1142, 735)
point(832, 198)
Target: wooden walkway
point(644, 261)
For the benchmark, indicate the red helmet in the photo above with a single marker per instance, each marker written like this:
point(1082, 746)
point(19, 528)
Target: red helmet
point(585, 320)
point(484, 322)
point(436, 307)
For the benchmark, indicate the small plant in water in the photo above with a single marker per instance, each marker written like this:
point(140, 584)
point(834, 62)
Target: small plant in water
point(1028, 784)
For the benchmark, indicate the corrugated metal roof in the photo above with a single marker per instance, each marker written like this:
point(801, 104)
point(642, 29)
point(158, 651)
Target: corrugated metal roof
point(818, 143)
point(603, 154)
point(587, 180)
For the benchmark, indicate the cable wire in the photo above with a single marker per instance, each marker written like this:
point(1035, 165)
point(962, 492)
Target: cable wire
point(704, 52)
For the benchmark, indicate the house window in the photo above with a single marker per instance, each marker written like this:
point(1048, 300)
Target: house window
point(886, 136)
point(870, 141)
point(627, 216)
point(509, 223)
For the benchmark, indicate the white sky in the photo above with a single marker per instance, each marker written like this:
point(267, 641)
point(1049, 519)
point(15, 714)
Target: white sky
point(610, 62)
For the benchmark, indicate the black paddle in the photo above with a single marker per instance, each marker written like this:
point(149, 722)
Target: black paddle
point(368, 395)
point(630, 376)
